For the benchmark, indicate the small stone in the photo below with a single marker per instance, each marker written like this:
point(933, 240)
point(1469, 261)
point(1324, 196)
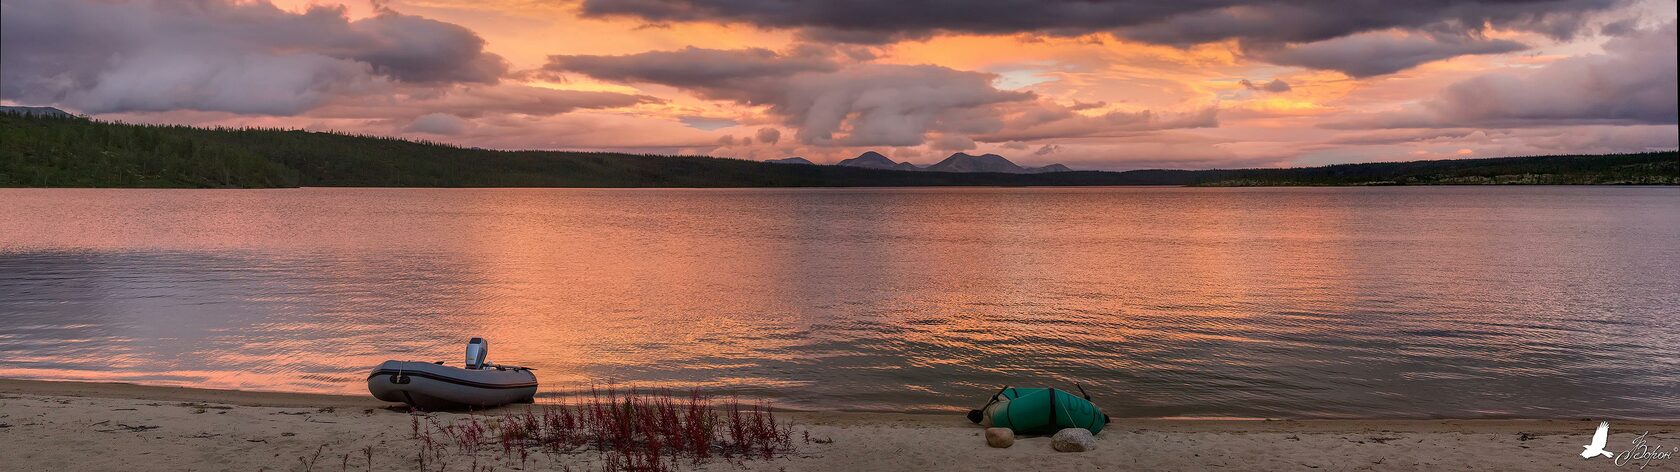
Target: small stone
point(1073, 440)
point(1000, 437)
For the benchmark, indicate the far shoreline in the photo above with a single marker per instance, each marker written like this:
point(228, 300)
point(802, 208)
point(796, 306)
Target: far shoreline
point(269, 158)
point(889, 187)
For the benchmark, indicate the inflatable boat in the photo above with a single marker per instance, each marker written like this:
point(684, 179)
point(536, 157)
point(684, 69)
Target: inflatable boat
point(434, 386)
point(1039, 411)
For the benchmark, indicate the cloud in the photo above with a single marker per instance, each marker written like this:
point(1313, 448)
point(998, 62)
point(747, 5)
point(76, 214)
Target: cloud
point(889, 105)
point(829, 104)
point(1619, 27)
point(1078, 105)
point(473, 101)
point(833, 103)
point(717, 70)
point(769, 135)
point(415, 49)
point(1361, 38)
point(1176, 23)
point(1152, 154)
point(1045, 120)
point(1306, 22)
point(159, 80)
point(706, 123)
point(585, 130)
point(1381, 52)
point(1275, 86)
point(437, 123)
point(952, 142)
point(1633, 82)
point(214, 55)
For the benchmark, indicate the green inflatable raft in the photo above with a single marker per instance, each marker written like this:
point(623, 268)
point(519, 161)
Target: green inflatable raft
point(1039, 411)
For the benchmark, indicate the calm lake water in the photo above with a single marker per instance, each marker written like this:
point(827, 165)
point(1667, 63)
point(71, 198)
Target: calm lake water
point(1299, 302)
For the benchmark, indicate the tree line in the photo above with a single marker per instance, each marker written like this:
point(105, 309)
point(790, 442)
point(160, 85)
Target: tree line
point(55, 151)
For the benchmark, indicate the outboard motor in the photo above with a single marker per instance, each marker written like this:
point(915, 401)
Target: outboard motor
point(477, 350)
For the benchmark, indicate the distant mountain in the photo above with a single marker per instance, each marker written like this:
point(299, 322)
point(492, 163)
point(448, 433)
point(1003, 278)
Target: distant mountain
point(961, 162)
point(36, 112)
point(874, 160)
point(792, 160)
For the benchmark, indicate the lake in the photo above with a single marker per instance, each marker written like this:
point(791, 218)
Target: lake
point(1213, 302)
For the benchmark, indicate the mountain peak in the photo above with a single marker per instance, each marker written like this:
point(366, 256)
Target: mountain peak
point(792, 160)
point(872, 160)
point(964, 162)
point(1049, 168)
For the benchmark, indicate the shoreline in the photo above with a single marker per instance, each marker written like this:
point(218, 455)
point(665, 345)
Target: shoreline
point(278, 399)
point(56, 423)
point(888, 187)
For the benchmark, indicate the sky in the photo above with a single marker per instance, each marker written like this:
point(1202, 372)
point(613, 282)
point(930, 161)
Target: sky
point(1109, 85)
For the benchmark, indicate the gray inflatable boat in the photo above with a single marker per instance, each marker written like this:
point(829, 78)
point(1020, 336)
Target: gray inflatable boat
point(434, 386)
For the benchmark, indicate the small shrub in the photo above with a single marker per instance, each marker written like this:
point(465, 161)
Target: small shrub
point(630, 430)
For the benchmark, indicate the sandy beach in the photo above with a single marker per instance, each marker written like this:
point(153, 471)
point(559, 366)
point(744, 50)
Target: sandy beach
point(102, 426)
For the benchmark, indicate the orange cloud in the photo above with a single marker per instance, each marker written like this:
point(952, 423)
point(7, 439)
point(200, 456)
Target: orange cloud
point(1107, 90)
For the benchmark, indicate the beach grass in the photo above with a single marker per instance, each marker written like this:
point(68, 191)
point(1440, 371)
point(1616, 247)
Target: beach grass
point(631, 430)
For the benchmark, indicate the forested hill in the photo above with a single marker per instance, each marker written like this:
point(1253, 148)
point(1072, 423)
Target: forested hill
point(55, 151)
point(75, 152)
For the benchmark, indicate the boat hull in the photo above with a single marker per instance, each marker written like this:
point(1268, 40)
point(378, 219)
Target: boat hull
point(430, 386)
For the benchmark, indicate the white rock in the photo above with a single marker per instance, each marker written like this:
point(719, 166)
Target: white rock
point(1073, 440)
point(1000, 437)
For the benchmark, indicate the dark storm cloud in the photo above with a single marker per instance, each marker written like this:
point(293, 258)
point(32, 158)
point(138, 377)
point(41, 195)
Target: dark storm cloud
point(1378, 53)
point(415, 49)
point(249, 58)
point(1177, 22)
point(1314, 34)
point(828, 102)
point(1633, 82)
point(1259, 22)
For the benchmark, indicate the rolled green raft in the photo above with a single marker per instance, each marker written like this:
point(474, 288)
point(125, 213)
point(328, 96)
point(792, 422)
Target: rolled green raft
point(1039, 411)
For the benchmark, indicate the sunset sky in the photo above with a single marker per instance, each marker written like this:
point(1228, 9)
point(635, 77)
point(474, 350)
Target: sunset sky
point(1091, 84)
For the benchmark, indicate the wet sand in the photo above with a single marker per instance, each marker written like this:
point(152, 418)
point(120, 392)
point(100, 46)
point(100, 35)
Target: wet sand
point(107, 426)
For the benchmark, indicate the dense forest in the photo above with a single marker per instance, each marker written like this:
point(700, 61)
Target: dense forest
point(59, 151)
